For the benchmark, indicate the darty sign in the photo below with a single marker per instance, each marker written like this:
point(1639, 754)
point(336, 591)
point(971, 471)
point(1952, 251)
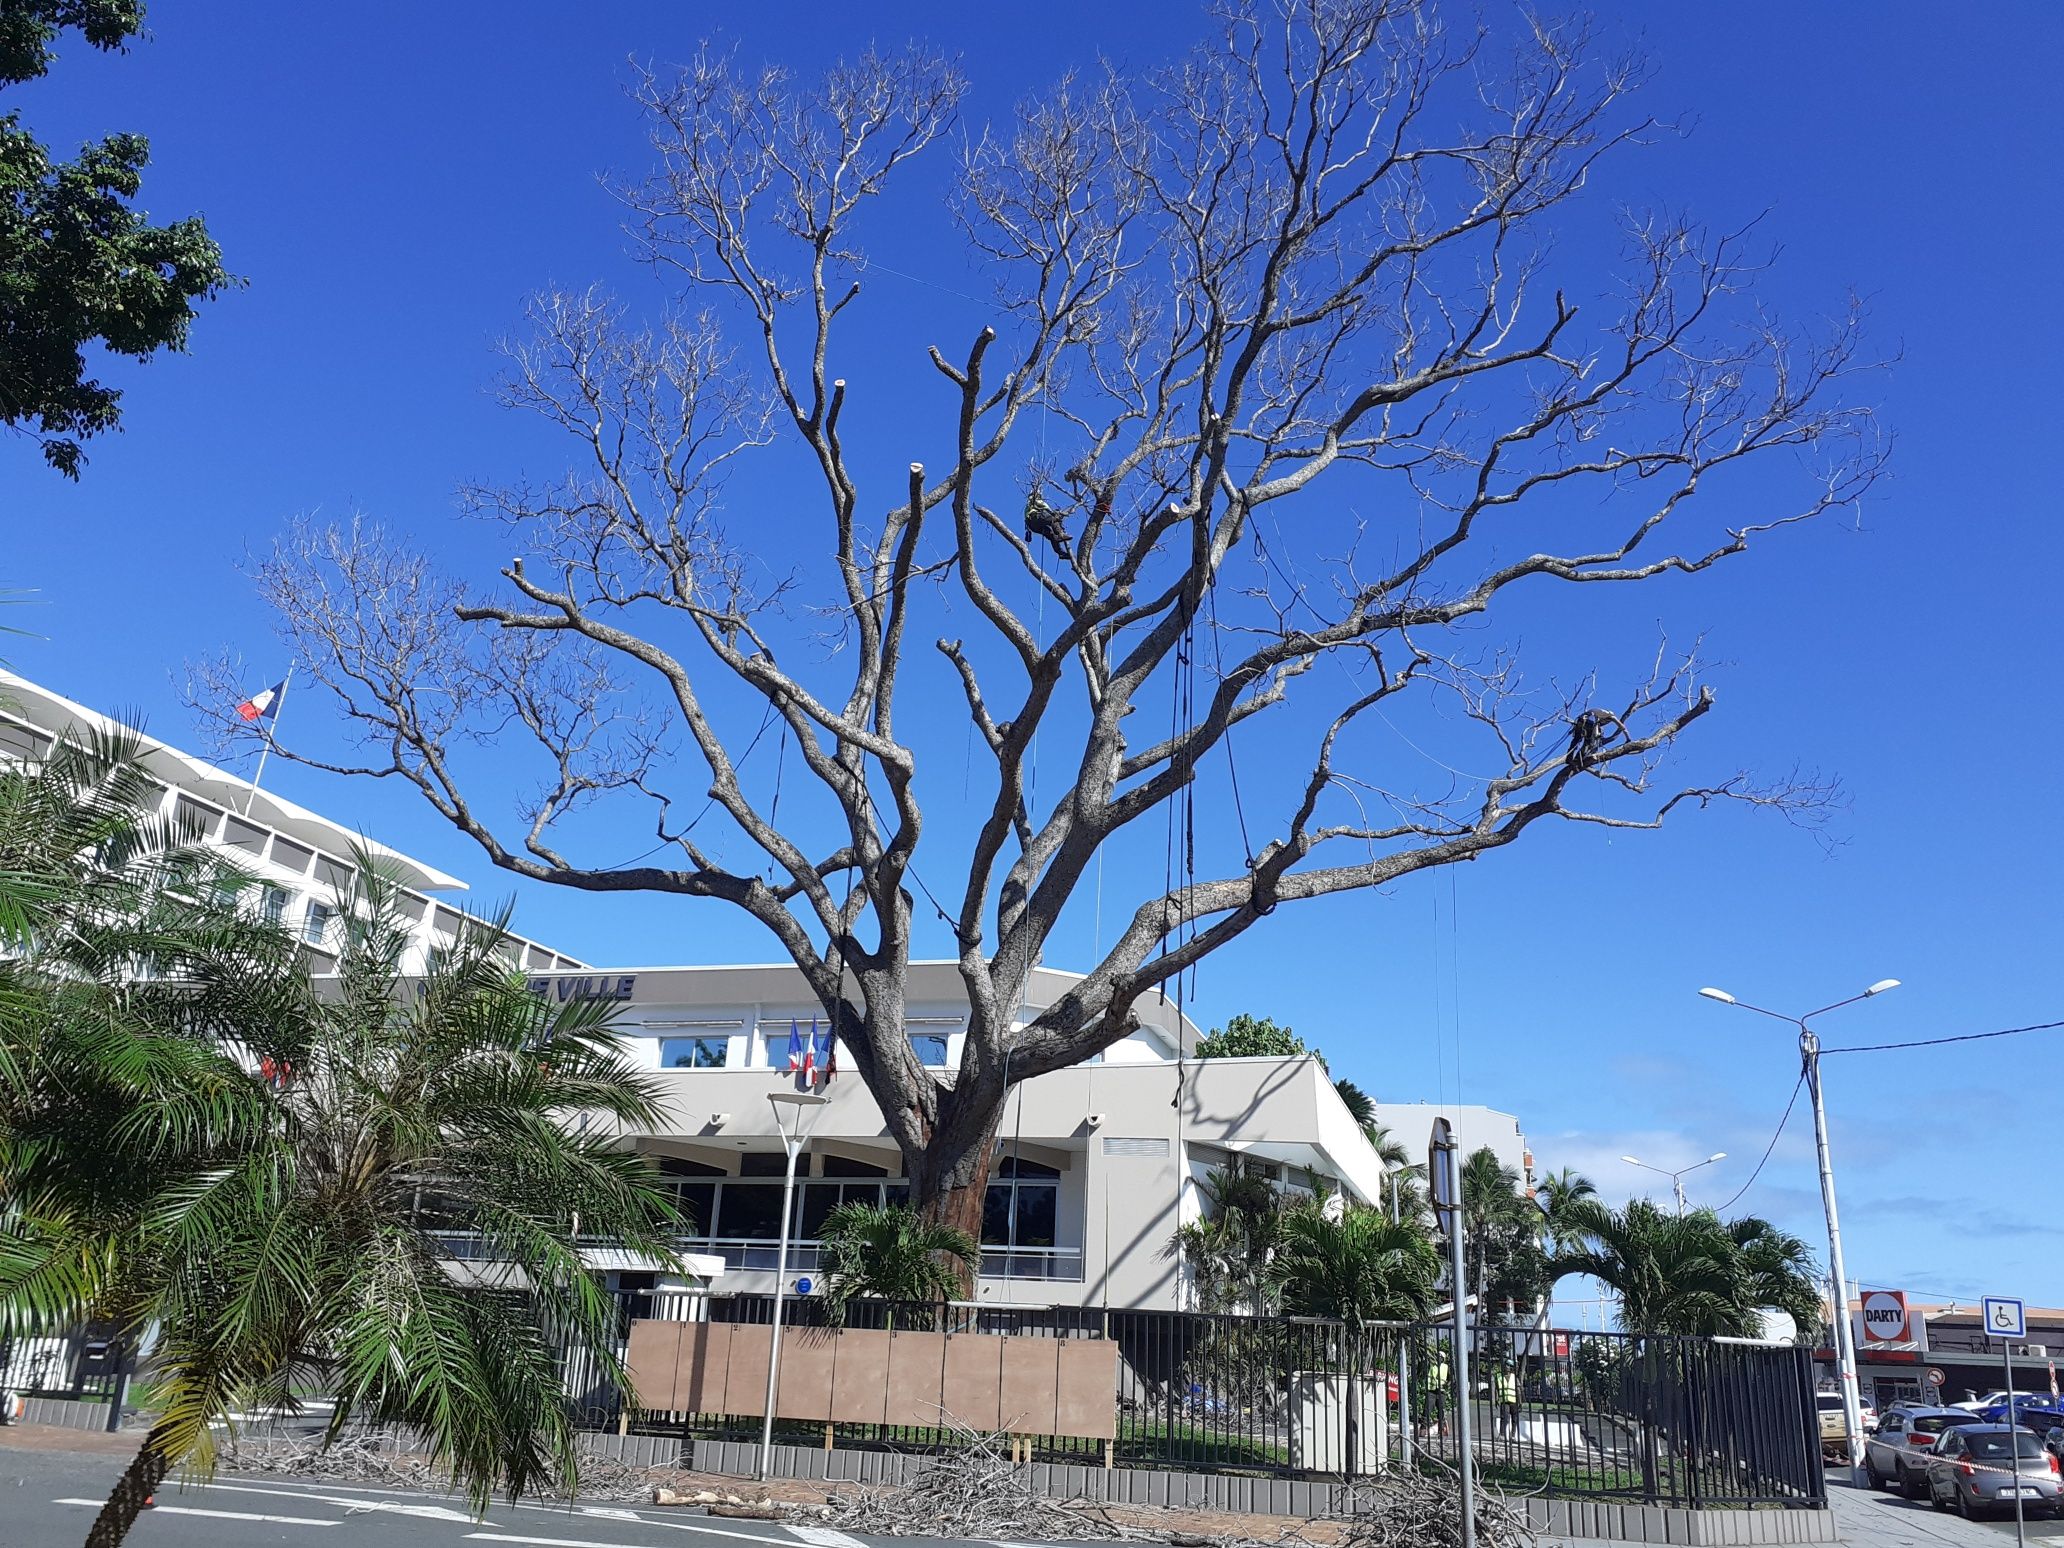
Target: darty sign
point(1886, 1319)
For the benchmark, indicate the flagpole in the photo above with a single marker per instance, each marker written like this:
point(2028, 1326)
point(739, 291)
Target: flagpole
point(266, 751)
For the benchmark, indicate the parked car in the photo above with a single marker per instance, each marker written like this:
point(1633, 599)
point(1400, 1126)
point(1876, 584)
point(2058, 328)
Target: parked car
point(2006, 1412)
point(1986, 1467)
point(1979, 1402)
point(1832, 1427)
point(1896, 1455)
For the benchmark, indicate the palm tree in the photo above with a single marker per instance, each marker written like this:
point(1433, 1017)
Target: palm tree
point(1228, 1250)
point(1503, 1259)
point(1361, 1107)
point(890, 1253)
point(1691, 1273)
point(291, 1135)
point(1559, 1193)
point(1360, 1268)
point(1779, 1273)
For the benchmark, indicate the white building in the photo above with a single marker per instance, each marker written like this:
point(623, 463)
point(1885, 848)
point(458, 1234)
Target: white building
point(298, 856)
point(1096, 1165)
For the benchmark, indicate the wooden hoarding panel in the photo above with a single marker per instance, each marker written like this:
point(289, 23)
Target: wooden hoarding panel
point(745, 1378)
point(806, 1361)
point(1086, 1397)
point(705, 1355)
point(860, 1376)
point(653, 1361)
point(915, 1360)
point(970, 1387)
point(1030, 1367)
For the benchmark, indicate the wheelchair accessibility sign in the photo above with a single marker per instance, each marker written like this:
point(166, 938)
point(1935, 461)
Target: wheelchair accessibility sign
point(2005, 1317)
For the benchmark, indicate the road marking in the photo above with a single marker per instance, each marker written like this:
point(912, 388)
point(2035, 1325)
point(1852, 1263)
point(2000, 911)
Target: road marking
point(827, 1537)
point(221, 1515)
point(588, 1542)
point(389, 1506)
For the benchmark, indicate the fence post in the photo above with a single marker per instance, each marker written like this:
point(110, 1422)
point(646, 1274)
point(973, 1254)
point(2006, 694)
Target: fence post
point(1689, 1441)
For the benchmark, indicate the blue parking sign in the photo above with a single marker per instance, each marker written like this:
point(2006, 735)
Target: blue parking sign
point(2005, 1317)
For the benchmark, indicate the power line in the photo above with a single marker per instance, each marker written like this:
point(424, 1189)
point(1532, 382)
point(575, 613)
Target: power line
point(1769, 1149)
point(1937, 1042)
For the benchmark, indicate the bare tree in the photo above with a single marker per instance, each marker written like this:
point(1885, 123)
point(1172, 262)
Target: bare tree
point(1301, 275)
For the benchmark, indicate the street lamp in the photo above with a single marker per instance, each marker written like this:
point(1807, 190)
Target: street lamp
point(1677, 1177)
point(1809, 1060)
point(792, 1142)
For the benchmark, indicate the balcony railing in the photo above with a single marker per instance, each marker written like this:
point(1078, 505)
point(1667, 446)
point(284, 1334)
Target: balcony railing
point(1058, 1264)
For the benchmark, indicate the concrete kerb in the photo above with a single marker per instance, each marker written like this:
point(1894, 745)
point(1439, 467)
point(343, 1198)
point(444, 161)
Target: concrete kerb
point(1568, 1520)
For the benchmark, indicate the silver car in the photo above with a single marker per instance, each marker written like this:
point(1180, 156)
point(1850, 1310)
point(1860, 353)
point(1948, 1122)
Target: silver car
point(1987, 1467)
point(1896, 1455)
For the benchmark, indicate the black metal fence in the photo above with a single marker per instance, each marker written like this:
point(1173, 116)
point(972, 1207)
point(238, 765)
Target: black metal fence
point(1667, 1421)
point(71, 1365)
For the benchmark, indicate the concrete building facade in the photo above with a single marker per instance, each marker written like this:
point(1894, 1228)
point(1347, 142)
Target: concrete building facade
point(299, 857)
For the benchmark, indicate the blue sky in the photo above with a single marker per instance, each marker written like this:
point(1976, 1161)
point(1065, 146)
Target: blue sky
point(393, 180)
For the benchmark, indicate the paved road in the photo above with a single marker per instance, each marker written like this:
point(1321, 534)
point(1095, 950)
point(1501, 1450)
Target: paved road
point(48, 1499)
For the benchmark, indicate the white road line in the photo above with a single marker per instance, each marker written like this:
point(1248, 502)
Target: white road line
point(220, 1515)
point(390, 1506)
point(678, 1526)
point(827, 1537)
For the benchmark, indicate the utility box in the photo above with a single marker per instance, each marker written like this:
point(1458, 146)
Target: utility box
point(1322, 1417)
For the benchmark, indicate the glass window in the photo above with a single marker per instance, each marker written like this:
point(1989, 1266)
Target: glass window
point(316, 922)
point(819, 1200)
point(1033, 1225)
point(996, 1213)
point(845, 1166)
point(693, 1053)
point(1013, 1166)
point(749, 1210)
point(930, 1048)
point(272, 904)
point(698, 1201)
point(764, 1163)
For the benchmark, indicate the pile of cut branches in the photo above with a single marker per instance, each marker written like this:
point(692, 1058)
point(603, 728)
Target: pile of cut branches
point(371, 1456)
point(975, 1491)
point(1409, 1509)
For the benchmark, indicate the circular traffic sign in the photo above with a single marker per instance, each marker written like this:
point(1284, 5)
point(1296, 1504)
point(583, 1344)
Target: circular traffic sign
point(1936, 1376)
point(802, 1287)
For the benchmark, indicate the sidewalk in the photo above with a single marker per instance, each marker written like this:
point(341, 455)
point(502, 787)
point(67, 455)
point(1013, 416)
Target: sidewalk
point(1865, 1518)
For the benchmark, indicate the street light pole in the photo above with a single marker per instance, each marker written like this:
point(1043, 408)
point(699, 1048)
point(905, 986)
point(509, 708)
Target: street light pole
point(1845, 1336)
point(792, 1142)
point(1677, 1177)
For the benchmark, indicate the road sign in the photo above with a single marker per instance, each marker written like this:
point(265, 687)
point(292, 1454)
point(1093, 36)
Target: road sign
point(1441, 1180)
point(1937, 1376)
point(802, 1287)
point(2005, 1317)
point(1885, 1317)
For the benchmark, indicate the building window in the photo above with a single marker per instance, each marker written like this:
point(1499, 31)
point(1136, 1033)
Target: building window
point(1022, 1205)
point(930, 1048)
point(272, 904)
point(693, 1053)
point(315, 924)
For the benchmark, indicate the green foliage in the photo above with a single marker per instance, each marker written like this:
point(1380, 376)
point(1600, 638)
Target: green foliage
point(79, 265)
point(195, 1138)
point(1228, 1250)
point(889, 1253)
point(1691, 1273)
point(1361, 1107)
point(1253, 1037)
point(1359, 1268)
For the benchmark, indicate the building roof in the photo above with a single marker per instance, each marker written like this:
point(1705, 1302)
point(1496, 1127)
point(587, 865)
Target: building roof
point(53, 712)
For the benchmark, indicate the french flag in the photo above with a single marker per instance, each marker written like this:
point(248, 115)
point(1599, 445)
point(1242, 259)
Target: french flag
point(263, 706)
point(824, 1047)
point(798, 1056)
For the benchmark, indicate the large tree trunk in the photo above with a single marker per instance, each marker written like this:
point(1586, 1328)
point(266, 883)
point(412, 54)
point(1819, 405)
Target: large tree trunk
point(139, 1481)
point(949, 1176)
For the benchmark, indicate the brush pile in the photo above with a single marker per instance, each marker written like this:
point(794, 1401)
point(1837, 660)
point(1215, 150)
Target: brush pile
point(1424, 1510)
point(975, 1491)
